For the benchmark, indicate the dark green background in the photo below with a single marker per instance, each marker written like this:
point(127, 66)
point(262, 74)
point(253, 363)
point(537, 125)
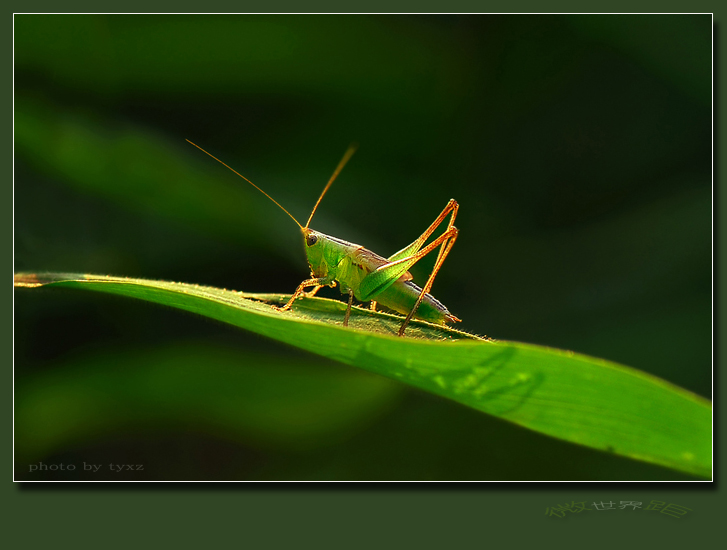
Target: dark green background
point(579, 148)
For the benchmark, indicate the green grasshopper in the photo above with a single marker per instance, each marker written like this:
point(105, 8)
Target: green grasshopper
point(367, 276)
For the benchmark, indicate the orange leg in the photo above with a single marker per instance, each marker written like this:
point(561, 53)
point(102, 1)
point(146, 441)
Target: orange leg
point(301, 288)
point(451, 208)
point(445, 242)
point(313, 292)
point(348, 309)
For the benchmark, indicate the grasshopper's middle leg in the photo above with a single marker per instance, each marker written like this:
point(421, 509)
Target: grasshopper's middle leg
point(348, 309)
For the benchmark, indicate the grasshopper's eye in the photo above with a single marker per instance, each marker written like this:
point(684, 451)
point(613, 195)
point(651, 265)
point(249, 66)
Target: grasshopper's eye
point(311, 239)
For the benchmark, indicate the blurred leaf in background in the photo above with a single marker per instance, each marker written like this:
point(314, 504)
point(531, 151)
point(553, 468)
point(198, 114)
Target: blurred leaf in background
point(579, 149)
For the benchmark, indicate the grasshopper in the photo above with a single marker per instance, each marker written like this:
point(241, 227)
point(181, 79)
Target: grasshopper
point(367, 276)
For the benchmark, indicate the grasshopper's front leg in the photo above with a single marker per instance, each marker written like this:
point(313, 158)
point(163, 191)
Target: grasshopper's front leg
point(313, 292)
point(318, 283)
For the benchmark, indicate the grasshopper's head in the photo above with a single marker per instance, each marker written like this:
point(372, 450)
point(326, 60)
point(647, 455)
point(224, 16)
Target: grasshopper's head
point(315, 251)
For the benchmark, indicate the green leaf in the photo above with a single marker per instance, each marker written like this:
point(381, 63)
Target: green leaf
point(573, 397)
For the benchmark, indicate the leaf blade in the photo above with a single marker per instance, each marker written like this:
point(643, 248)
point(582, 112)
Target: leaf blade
point(573, 397)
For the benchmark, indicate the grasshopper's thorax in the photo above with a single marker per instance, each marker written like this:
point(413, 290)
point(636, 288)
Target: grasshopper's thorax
point(324, 252)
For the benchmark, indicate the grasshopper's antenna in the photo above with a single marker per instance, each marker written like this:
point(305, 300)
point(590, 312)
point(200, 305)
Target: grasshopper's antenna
point(251, 183)
point(349, 153)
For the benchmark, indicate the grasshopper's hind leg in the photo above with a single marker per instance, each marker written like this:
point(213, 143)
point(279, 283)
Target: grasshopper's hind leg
point(448, 239)
point(385, 275)
point(450, 210)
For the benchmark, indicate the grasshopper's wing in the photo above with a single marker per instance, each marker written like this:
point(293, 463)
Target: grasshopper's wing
point(384, 276)
point(397, 266)
point(375, 262)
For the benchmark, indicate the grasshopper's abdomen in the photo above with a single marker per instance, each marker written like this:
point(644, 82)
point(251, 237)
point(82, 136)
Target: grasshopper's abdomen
point(401, 297)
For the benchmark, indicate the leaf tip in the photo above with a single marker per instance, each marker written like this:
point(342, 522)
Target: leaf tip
point(27, 280)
